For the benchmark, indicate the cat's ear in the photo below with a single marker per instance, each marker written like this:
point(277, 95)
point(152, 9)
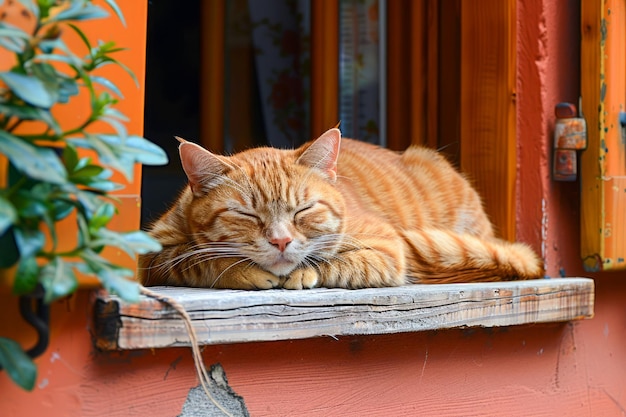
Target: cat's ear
point(204, 169)
point(323, 153)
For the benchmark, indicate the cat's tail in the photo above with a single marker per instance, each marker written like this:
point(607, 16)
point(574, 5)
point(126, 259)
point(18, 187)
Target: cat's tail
point(442, 256)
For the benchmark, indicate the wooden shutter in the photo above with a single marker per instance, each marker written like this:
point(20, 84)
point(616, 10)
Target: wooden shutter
point(603, 164)
point(488, 151)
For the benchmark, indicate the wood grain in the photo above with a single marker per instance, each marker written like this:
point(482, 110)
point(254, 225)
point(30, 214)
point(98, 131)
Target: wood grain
point(603, 164)
point(226, 316)
point(488, 142)
point(324, 65)
point(212, 81)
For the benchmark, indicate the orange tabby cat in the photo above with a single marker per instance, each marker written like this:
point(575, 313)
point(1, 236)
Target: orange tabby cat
point(333, 213)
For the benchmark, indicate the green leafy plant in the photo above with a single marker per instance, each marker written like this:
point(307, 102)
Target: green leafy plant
point(49, 178)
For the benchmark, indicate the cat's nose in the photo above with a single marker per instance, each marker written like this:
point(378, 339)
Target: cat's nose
point(281, 242)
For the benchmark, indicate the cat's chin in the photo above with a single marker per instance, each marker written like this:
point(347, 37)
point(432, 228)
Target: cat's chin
point(282, 267)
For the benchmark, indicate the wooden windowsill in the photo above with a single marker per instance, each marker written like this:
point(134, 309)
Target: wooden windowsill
point(228, 316)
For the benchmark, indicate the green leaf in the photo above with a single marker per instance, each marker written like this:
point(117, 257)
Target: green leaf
point(125, 288)
point(119, 127)
point(101, 217)
point(112, 112)
point(113, 5)
point(36, 162)
point(70, 157)
point(109, 155)
point(16, 45)
point(26, 276)
point(61, 209)
point(121, 155)
point(108, 60)
point(132, 243)
point(27, 112)
point(30, 89)
point(13, 38)
point(49, 45)
point(80, 11)
point(18, 365)
point(58, 279)
point(29, 205)
point(111, 276)
point(142, 150)
point(82, 36)
point(87, 172)
point(8, 249)
point(8, 215)
point(108, 84)
point(12, 31)
point(58, 86)
point(28, 241)
point(45, 6)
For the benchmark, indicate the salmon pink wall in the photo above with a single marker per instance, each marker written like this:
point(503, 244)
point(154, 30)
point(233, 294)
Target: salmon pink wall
point(548, 213)
point(567, 369)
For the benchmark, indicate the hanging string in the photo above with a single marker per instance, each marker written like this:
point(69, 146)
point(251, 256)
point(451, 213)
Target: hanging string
point(193, 339)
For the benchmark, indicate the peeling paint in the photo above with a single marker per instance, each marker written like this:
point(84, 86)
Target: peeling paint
point(43, 383)
point(602, 91)
point(198, 404)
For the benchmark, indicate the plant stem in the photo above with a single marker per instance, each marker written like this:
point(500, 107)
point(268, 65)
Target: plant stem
point(15, 125)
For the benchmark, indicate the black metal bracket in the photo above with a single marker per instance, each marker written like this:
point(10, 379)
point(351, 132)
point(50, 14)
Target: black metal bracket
point(36, 313)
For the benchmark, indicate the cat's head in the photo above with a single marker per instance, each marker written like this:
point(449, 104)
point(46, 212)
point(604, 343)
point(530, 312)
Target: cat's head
point(276, 208)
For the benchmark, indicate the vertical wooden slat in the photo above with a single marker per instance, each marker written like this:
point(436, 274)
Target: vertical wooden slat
point(212, 80)
point(397, 74)
point(603, 164)
point(432, 86)
point(324, 65)
point(418, 79)
point(408, 66)
point(449, 75)
point(487, 106)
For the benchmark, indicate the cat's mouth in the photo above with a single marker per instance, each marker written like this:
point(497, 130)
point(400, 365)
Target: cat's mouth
point(281, 266)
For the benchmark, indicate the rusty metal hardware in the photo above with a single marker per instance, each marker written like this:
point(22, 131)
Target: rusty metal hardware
point(570, 136)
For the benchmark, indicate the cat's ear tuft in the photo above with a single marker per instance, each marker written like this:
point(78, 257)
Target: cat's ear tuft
point(204, 170)
point(322, 154)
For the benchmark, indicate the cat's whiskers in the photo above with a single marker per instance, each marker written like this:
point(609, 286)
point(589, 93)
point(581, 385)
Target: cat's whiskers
point(206, 252)
point(201, 259)
point(226, 269)
point(337, 241)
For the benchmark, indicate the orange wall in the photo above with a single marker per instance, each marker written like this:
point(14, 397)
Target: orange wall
point(568, 369)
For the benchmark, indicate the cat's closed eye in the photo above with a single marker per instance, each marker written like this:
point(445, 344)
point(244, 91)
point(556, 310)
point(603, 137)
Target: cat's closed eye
point(303, 210)
point(246, 214)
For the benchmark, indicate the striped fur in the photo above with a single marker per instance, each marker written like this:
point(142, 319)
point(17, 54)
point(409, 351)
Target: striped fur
point(333, 213)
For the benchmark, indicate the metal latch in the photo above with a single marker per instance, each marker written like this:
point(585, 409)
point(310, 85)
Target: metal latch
point(570, 135)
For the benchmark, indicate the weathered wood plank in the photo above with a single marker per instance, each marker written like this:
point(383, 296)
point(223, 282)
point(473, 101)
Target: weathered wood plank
point(226, 316)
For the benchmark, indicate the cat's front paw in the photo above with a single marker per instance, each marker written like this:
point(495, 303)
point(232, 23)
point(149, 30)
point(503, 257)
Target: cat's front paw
point(258, 279)
point(301, 278)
